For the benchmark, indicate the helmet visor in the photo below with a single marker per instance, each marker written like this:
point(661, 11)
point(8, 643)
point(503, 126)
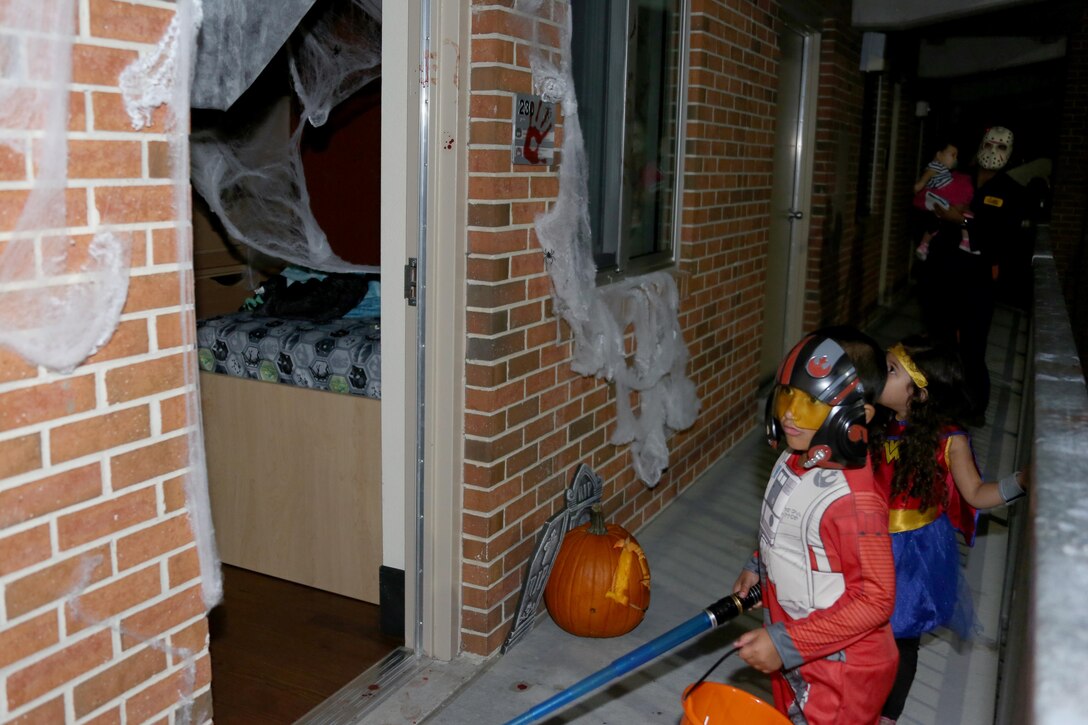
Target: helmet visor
point(806, 411)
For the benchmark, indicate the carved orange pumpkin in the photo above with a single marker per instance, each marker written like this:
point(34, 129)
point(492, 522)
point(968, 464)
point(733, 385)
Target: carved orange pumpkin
point(599, 585)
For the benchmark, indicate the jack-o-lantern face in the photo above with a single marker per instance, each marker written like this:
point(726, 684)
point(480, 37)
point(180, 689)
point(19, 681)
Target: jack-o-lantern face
point(599, 585)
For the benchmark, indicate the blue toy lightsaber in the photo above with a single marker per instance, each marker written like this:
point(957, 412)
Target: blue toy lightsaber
point(713, 616)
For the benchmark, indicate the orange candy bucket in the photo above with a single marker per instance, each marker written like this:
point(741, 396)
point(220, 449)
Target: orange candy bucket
point(712, 703)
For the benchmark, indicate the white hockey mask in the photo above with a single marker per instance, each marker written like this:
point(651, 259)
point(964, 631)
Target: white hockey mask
point(995, 149)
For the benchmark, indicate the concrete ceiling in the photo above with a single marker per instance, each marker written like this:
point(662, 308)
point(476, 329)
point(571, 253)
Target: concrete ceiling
point(893, 15)
point(963, 37)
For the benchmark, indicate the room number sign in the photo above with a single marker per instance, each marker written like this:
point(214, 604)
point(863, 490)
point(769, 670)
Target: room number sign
point(534, 137)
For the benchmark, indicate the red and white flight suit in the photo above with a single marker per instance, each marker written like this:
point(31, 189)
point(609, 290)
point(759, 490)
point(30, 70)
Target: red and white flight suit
point(828, 619)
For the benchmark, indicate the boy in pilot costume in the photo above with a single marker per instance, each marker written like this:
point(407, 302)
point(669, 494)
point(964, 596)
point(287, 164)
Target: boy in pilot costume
point(824, 557)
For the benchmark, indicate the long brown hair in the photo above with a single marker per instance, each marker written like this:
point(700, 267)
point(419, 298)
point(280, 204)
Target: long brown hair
point(942, 403)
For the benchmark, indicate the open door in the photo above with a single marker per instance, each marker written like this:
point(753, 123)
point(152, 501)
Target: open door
point(358, 452)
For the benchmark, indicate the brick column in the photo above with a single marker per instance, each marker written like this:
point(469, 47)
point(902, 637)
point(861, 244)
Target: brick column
point(101, 615)
point(1069, 234)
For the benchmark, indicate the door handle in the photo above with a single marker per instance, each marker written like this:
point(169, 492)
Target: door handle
point(795, 215)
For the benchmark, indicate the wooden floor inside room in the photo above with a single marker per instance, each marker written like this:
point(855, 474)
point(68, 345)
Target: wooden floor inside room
point(278, 649)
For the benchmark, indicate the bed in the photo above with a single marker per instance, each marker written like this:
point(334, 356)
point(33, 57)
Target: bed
point(339, 355)
point(292, 427)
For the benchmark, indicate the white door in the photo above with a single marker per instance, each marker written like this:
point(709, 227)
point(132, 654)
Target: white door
point(790, 197)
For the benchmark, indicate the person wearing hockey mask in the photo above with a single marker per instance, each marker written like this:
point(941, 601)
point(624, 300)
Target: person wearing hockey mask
point(995, 149)
point(959, 289)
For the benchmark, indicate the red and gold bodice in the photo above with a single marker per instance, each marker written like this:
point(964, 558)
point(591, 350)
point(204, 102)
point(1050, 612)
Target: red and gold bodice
point(904, 511)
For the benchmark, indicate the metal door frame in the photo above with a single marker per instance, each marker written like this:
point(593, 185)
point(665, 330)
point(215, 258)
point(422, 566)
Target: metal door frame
point(433, 482)
point(796, 251)
point(797, 271)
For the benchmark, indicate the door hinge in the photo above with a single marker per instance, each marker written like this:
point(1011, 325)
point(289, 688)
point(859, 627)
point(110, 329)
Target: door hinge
point(410, 281)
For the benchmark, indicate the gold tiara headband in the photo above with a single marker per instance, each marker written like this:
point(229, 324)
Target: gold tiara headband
point(915, 374)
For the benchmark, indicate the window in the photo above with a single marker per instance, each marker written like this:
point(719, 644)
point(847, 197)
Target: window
point(630, 65)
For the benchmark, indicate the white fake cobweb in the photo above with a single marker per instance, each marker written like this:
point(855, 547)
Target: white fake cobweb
point(64, 273)
point(163, 77)
point(599, 317)
point(64, 276)
point(257, 188)
point(251, 174)
point(63, 280)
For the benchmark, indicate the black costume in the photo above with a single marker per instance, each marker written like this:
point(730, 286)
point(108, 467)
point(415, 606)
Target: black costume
point(958, 286)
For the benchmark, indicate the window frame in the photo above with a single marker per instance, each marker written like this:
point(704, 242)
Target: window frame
point(614, 194)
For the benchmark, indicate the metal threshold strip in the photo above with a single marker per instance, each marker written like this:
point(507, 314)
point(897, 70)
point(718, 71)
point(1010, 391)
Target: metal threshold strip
point(352, 702)
point(403, 687)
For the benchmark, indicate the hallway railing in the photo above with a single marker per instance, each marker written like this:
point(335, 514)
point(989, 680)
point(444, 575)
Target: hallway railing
point(1044, 652)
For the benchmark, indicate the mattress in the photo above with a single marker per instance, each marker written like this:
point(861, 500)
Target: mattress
point(340, 356)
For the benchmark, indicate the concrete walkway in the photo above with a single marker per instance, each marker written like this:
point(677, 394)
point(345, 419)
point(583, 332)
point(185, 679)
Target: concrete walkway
point(695, 549)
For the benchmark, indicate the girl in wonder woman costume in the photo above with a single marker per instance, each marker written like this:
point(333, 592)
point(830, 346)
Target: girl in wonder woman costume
point(922, 459)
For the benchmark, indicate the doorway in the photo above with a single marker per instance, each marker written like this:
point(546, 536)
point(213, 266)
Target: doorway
point(791, 191)
point(279, 649)
point(294, 474)
point(286, 620)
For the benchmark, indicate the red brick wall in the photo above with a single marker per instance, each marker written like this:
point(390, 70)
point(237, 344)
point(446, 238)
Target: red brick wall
point(526, 412)
point(101, 615)
point(844, 251)
point(1069, 234)
point(529, 420)
point(901, 246)
point(92, 463)
point(730, 140)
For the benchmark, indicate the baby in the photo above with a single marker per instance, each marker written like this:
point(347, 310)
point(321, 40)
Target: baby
point(938, 185)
